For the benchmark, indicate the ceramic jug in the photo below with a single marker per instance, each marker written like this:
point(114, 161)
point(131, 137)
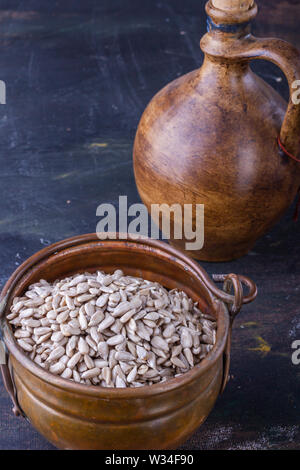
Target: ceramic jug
point(215, 137)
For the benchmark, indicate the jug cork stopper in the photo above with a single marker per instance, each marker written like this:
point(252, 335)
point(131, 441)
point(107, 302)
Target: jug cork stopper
point(233, 5)
point(231, 11)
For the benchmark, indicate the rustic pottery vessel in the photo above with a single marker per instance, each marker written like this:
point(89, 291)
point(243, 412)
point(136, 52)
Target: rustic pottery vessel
point(211, 137)
point(76, 416)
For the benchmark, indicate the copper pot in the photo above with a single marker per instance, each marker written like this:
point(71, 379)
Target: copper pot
point(161, 416)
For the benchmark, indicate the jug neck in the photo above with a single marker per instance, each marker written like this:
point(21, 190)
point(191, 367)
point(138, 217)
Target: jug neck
point(226, 29)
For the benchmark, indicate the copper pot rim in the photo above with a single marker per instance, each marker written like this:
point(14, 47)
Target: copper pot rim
point(196, 271)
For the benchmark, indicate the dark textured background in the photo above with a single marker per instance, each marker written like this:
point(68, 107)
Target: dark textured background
point(78, 76)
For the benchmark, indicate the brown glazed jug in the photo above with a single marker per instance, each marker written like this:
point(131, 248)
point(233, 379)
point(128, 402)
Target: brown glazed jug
point(212, 137)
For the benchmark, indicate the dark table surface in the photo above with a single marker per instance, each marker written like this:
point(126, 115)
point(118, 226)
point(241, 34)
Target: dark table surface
point(78, 77)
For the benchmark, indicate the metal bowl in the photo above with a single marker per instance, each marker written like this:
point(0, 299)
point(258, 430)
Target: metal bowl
point(160, 416)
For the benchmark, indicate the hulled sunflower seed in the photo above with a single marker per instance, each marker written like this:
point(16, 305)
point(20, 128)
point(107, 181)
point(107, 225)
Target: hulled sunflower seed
point(124, 356)
point(89, 374)
point(120, 383)
point(56, 353)
point(114, 340)
point(74, 360)
point(83, 347)
point(57, 368)
point(159, 343)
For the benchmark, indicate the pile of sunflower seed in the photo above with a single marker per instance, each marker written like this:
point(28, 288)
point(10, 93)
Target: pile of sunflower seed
point(110, 329)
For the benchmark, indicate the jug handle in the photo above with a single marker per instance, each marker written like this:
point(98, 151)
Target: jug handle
point(287, 58)
point(237, 300)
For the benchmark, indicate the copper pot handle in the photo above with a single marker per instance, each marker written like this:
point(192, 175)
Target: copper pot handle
point(8, 381)
point(10, 388)
point(7, 378)
point(236, 301)
point(235, 304)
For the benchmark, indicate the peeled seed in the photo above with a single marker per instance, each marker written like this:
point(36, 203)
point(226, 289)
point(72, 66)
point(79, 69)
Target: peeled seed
point(94, 334)
point(85, 297)
point(132, 375)
point(77, 279)
point(142, 332)
point(160, 343)
point(83, 347)
point(17, 306)
point(74, 360)
point(71, 344)
point(106, 374)
point(176, 350)
point(100, 363)
point(28, 312)
point(169, 331)
point(96, 318)
point(76, 376)
point(89, 374)
point(42, 330)
point(143, 369)
point(102, 300)
point(56, 353)
point(207, 339)
point(120, 383)
point(41, 339)
point(82, 367)
point(32, 323)
point(57, 368)
point(189, 356)
point(22, 333)
point(83, 321)
point(177, 362)
point(67, 373)
point(57, 336)
point(186, 339)
point(66, 330)
point(103, 349)
point(82, 288)
point(64, 359)
point(90, 310)
point(127, 316)
point(122, 308)
point(132, 348)
point(141, 353)
point(62, 317)
point(114, 340)
point(24, 345)
point(116, 327)
point(123, 356)
point(89, 361)
point(52, 315)
point(106, 323)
